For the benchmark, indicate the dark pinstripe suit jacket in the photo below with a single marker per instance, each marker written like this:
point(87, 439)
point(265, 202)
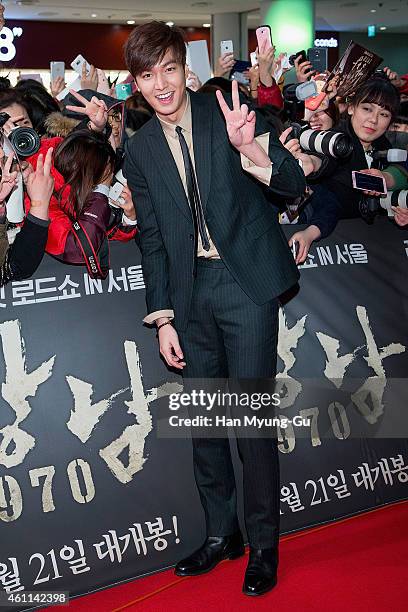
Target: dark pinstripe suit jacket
point(242, 223)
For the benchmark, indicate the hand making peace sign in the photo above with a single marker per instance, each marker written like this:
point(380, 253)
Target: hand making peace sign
point(95, 109)
point(239, 121)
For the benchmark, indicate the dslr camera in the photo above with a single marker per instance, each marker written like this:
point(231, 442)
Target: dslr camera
point(322, 142)
point(24, 140)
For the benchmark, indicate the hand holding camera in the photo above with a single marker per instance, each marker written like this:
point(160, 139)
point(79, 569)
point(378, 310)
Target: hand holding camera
point(24, 141)
point(11, 123)
point(293, 146)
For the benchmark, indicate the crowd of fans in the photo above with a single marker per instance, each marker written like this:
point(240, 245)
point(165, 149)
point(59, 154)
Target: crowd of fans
point(68, 211)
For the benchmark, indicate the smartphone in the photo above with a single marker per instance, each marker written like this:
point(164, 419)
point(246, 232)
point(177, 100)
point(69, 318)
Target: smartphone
point(254, 58)
point(285, 63)
point(306, 90)
point(263, 35)
point(368, 182)
point(57, 70)
point(295, 249)
point(317, 56)
point(78, 63)
point(301, 54)
point(114, 194)
point(226, 46)
point(123, 91)
point(239, 77)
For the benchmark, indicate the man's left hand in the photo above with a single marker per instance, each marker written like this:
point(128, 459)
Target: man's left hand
point(239, 121)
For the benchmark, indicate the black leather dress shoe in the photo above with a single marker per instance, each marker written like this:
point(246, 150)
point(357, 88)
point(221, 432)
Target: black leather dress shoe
point(261, 573)
point(214, 550)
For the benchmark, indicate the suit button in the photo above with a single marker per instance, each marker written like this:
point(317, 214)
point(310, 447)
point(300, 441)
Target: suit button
point(191, 236)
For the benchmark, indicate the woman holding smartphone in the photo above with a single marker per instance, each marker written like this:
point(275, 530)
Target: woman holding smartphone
point(370, 113)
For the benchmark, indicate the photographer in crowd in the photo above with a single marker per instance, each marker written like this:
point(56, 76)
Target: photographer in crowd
point(370, 112)
point(369, 115)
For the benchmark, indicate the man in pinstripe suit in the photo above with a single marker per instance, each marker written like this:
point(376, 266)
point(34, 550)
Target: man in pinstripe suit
point(214, 262)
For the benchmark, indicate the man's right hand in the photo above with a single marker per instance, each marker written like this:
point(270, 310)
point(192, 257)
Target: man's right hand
point(170, 346)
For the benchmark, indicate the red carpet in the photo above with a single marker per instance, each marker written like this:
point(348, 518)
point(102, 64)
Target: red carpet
point(360, 564)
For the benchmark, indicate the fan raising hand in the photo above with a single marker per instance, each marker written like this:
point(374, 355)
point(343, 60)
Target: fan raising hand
point(239, 121)
point(95, 109)
point(8, 178)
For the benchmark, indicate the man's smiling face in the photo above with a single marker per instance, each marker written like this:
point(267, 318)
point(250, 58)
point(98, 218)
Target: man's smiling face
point(164, 87)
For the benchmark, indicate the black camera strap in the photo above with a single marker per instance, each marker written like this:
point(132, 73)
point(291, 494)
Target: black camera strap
point(97, 263)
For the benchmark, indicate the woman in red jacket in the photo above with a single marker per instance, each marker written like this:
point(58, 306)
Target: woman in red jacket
point(83, 170)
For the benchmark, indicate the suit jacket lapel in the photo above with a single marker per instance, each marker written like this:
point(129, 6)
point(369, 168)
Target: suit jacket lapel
point(202, 132)
point(166, 166)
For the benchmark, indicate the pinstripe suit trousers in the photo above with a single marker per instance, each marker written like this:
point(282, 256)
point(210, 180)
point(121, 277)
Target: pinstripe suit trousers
point(229, 336)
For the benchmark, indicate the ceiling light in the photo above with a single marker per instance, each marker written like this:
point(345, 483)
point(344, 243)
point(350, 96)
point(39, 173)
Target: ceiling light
point(170, 23)
point(373, 11)
point(206, 25)
point(94, 15)
point(131, 22)
point(383, 28)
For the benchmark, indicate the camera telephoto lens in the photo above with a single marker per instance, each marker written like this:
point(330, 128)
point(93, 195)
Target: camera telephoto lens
point(25, 141)
point(328, 142)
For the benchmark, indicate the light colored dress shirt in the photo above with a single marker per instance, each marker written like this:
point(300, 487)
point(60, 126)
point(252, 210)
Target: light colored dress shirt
point(169, 129)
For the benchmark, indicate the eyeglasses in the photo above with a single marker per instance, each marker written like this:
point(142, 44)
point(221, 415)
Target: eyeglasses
point(114, 117)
